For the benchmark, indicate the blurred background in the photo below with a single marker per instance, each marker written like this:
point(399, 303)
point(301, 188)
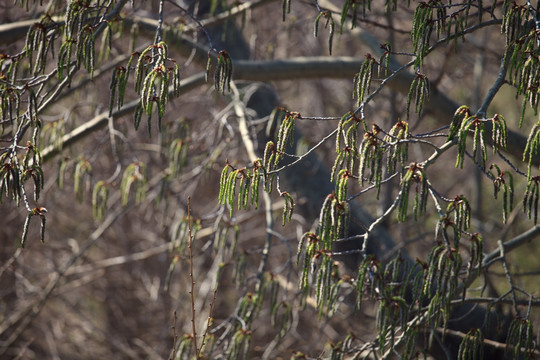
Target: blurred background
point(119, 286)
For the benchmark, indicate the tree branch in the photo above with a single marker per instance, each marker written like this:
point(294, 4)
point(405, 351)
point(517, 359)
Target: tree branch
point(529, 235)
point(101, 120)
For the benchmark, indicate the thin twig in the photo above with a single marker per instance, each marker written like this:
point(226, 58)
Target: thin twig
point(380, 219)
point(209, 319)
point(226, 15)
point(508, 276)
point(175, 337)
point(324, 139)
point(192, 281)
point(201, 26)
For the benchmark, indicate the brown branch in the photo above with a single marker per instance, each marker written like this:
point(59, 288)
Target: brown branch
point(527, 236)
point(192, 282)
point(101, 120)
point(492, 343)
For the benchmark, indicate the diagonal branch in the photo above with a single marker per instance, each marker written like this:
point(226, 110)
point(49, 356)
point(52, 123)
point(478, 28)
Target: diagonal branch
point(529, 235)
point(101, 120)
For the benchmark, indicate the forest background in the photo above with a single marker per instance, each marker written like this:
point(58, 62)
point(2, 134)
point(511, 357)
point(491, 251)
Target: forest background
point(262, 179)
